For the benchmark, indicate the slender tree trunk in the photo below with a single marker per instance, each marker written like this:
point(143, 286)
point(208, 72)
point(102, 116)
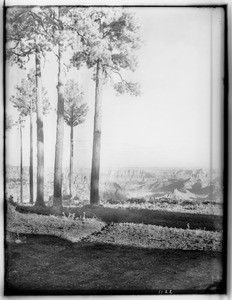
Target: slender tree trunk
point(95, 172)
point(57, 201)
point(40, 135)
point(71, 163)
point(31, 154)
point(21, 163)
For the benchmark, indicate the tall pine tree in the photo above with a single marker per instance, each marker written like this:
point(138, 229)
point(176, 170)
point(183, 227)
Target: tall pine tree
point(25, 102)
point(29, 34)
point(75, 111)
point(109, 39)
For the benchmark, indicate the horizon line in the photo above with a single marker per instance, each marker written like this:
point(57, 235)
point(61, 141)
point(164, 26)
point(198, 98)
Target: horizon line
point(128, 167)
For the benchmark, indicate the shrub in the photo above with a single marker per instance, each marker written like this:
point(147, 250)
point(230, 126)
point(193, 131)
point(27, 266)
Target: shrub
point(190, 207)
point(168, 201)
point(173, 201)
point(136, 200)
point(112, 197)
point(66, 197)
point(152, 201)
point(10, 200)
point(206, 202)
point(114, 201)
point(188, 202)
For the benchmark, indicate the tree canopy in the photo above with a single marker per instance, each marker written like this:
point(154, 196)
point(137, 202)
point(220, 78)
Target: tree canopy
point(29, 30)
point(9, 122)
point(25, 98)
point(110, 38)
point(75, 110)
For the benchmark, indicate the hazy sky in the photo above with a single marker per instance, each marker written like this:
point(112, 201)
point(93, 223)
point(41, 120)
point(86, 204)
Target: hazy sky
point(169, 124)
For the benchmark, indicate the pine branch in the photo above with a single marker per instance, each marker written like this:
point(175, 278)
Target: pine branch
point(22, 54)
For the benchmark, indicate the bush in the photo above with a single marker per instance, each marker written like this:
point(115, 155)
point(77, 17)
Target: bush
point(188, 202)
point(10, 200)
point(136, 200)
point(190, 207)
point(112, 197)
point(168, 201)
point(66, 197)
point(206, 202)
point(114, 201)
point(152, 201)
point(171, 201)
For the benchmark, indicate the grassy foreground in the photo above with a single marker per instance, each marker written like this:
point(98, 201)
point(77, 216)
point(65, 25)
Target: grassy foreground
point(145, 216)
point(93, 230)
point(58, 253)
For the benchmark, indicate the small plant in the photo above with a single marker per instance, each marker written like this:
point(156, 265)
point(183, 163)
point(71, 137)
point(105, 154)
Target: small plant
point(18, 240)
point(66, 197)
point(136, 200)
point(10, 200)
point(173, 201)
point(168, 201)
point(152, 201)
point(188, 202)
point(71, 216)
point(206, 202)
point(164, 200)
point(114, 201)
point(190, 207)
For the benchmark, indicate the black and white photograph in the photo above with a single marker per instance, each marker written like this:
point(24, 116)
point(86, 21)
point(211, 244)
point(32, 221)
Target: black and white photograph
point(115, 161)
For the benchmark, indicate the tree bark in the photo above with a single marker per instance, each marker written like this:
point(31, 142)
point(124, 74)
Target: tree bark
point(95, 172)
point(71, 163)
point(21, 163)
point(57, 200)
point(40, 135)
point(31, 155)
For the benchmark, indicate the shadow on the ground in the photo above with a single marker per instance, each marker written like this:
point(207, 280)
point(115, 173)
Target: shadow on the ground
point(145, 216)
point(46, 265)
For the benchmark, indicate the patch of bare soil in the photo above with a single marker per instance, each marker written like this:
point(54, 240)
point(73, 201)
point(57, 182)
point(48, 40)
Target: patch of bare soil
point(43, 265)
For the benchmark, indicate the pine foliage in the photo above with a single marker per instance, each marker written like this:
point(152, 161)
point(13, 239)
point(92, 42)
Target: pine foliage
point(25, 98)
point(75, 110)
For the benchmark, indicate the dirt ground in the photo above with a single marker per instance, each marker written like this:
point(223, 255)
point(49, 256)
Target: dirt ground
point(50, 265)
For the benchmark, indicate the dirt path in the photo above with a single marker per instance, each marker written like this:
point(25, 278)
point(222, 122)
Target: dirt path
point(50, 265)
